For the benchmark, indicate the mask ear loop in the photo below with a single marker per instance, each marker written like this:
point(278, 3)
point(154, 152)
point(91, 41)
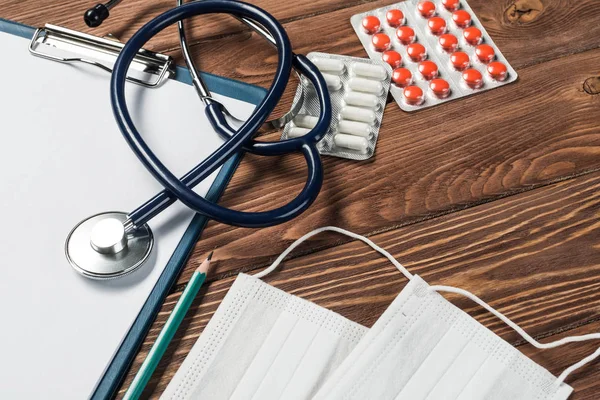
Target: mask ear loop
point(570, 339)
point(526, 336)
point(368, 241)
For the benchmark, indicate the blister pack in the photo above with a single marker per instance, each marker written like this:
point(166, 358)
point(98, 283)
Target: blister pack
point(438, 49)
point(358, 88)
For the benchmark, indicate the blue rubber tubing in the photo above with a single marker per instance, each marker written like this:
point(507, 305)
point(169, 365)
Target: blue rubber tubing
point(243, 137)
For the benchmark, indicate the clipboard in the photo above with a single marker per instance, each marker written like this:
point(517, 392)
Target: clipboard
point(117, 368)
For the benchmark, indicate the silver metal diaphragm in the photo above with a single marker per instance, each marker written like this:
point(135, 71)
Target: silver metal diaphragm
point(100, 248)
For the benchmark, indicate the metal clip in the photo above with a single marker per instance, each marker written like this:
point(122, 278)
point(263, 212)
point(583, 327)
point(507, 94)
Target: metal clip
point(91, 48)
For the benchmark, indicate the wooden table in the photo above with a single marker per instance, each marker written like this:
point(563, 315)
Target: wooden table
point(495, 193)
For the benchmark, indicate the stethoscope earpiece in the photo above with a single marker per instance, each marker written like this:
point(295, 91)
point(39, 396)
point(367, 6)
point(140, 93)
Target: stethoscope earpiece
point(97, 14)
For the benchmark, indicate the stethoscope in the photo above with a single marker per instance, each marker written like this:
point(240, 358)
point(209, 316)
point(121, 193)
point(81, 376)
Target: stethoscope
point(113, 244)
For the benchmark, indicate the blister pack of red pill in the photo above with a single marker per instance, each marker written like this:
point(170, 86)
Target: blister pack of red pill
point(438, 49)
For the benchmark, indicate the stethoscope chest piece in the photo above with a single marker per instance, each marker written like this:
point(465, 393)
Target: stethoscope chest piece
point(100, 248)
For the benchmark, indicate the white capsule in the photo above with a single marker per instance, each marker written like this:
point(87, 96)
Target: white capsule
point(334, 82)
point(358, 114)
point(305, 121)
point(369, 70)
point(295, 132)
point(329, 65)
point(366, 86)
point(361, 99)
point(355, 128)
point(351, 142)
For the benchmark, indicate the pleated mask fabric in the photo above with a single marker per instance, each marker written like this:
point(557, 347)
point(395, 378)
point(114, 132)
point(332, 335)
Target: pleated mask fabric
point(263, 343)
point(425, 348)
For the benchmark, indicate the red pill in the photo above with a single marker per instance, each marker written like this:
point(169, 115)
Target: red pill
point(402, 77)
point(437, 25)
point(381, 42)
point(451, 5)
point(395, 18)
point(472, 35)
point(371, 24)
point(426, 8)
point(405, 34)
point(440, 88)
point(428, 69)
point(461, 18)
point(460, 60)
point(393, 58)
point(449, 42)
point(497, 70)
point(473, 78)
point(485, 53)
point(416, 52)
point(413, 95)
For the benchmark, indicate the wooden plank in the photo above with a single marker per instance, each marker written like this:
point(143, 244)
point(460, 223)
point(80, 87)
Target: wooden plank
point(526, 38)
point(128, 17)
point(585, 380)
point(527, 31)
point(553, 33)
point(428, 163)
point(533, 256)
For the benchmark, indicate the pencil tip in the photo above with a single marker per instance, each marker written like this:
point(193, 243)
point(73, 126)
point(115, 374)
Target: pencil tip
point(203, 268)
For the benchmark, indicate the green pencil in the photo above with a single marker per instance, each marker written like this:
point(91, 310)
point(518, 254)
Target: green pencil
point(162, 341)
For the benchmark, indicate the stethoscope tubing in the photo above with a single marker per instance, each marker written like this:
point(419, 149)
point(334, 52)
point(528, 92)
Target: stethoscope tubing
point(178, 189)
point(310, 72)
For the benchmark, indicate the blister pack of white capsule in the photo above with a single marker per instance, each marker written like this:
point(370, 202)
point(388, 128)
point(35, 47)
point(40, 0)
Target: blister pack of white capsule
point(358, 88)
point(438, 49)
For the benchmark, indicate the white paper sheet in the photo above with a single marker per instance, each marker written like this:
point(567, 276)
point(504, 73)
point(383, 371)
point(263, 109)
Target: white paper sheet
point(63, 159)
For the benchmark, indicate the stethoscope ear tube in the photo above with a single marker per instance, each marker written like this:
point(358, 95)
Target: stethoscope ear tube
point(181, 189)
point(309, 71)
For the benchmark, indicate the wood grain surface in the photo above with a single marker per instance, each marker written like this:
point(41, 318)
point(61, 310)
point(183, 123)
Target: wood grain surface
point(534, 256)
point(497, 193)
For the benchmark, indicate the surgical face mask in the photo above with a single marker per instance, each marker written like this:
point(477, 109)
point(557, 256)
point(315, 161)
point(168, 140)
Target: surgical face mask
point(263, 343)
point(424, 347)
